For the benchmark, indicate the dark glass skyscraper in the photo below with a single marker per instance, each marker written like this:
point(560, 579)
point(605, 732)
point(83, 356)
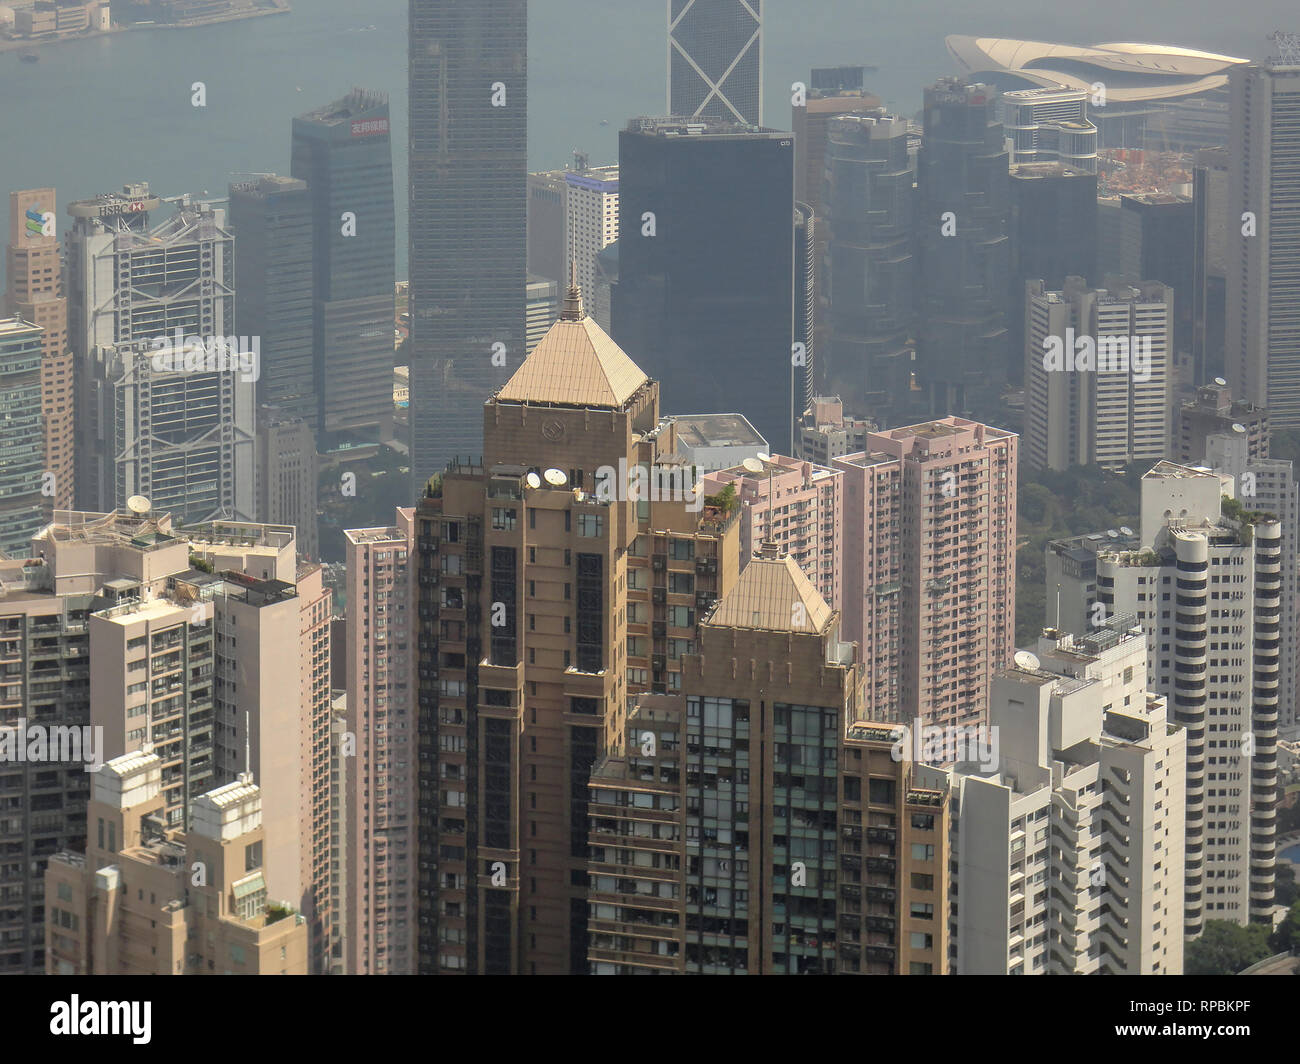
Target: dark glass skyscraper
point(962, 181)
point(344, 154)
point(272, 223)
point(468, 222)
point(706, 267)
point(715, 59)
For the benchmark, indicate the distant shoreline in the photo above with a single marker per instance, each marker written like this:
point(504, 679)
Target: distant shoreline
point(22, 45)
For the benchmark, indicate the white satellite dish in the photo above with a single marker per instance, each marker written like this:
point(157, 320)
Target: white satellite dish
point(138, 504)
point(534, 481)
point(1220, 382)
point(753, 465)
point(1238, 427)
point(1112, 533)
point(555, 478)
point(763, 457)
point(1124, 530)
point(1025, 660)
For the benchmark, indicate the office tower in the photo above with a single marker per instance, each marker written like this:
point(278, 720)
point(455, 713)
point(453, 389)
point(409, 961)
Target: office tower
point(710, 442)
point(796, 505)
point(1053, 236)
point(548, 230)
point(805, 306)
point(208, 911)
point(380, 855)
point(1210, 196)
point(929, 548)
point(44, 656)
point(1268, 485)
point(706, 266)
point(22, 466)
point(1262, 345)
point(468, 219)
point(543, 601)
point(158, 598)
point(343, 152)
point(825, 432)
point(114, 256)
point(760, 816)
point(1214, 655)
point(1097, 372)
point(342, 748)
point(35, 294)
point(868, 274)
point(1211, 413)
point(831, 91)
point(184, 437)
point(1156, 241)
point(715, 60)
point(273, 223)
point(287, 470)
point(1050, 125)
point(591, 219)
point(606, 280)
point(1072, 575)
point(962, 359)
point(1069, 857)
point(543, 307)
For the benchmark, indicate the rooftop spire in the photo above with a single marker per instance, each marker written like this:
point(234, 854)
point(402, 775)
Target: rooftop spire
point(572, 310)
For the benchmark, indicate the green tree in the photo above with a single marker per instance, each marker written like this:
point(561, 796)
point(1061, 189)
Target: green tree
point(1287, 935)
point(1284, 888)
point(1226, 949)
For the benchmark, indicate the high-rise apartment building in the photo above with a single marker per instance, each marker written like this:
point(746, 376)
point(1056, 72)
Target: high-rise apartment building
point(551, 586)
point(274, 225)
point(344, 153)
point(796, 505)
point(1262, 346)
point(286, 476)
point(591, 220)
point(1098, 364)
point(929, 568)
point(381, 777)
point(755, 823)
point(1050, 125)
point(152, 425)
point(209, 909)
point(706, 266)
point(868, 274)
point(34, 294)
point(1213, 412)
point(22, 466)
point(825, 432)
point(1213, 653)
point(468, 218)
point(1068, 858)
point(964, 251)
point(715, 59)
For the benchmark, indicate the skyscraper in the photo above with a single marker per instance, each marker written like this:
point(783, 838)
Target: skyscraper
point(929, 547)
point(962, 354)
point(22, 461)
point(35, 294)
point(344, 153)
point(706, 266)
point(468, 219)
point(715, 59)
point(1262, 345)
point(287, 476)
point(1050, 124)
point(273, 223)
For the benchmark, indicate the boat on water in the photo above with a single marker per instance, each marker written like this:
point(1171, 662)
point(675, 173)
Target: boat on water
point(30, 57)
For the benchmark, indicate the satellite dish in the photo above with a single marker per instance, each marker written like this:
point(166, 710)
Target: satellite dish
point(1112, 533)
point(1124, 530)
point(1220, 382)
point(555, 478)
point(763, 457)
point(753, 465)
point(533, 480)
point(1238, 427)
point(138, 504)
point(1025, 660)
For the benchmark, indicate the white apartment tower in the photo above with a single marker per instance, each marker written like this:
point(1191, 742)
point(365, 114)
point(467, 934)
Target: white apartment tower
point(1068, 858)
point(1097, 374)
point(591, 220)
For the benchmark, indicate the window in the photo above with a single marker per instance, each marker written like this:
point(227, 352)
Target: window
point(923, 910)
point(922, 852)
point(924, 821)
point(922, 940)
point(921, 881)
point(591, 525)
point(503, 520)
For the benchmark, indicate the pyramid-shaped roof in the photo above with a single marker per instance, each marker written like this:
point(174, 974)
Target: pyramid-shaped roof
point(576, 364)
point(773, 594)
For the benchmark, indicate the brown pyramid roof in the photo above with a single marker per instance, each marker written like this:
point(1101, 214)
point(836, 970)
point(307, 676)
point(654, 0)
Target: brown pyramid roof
point(769, 595)
point(576, 364)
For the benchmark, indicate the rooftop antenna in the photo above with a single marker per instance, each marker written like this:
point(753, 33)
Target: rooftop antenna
point(572, 310)
point(248, 757)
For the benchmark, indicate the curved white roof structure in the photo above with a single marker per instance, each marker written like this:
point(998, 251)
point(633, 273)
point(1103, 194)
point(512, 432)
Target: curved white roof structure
point(1131, 72)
